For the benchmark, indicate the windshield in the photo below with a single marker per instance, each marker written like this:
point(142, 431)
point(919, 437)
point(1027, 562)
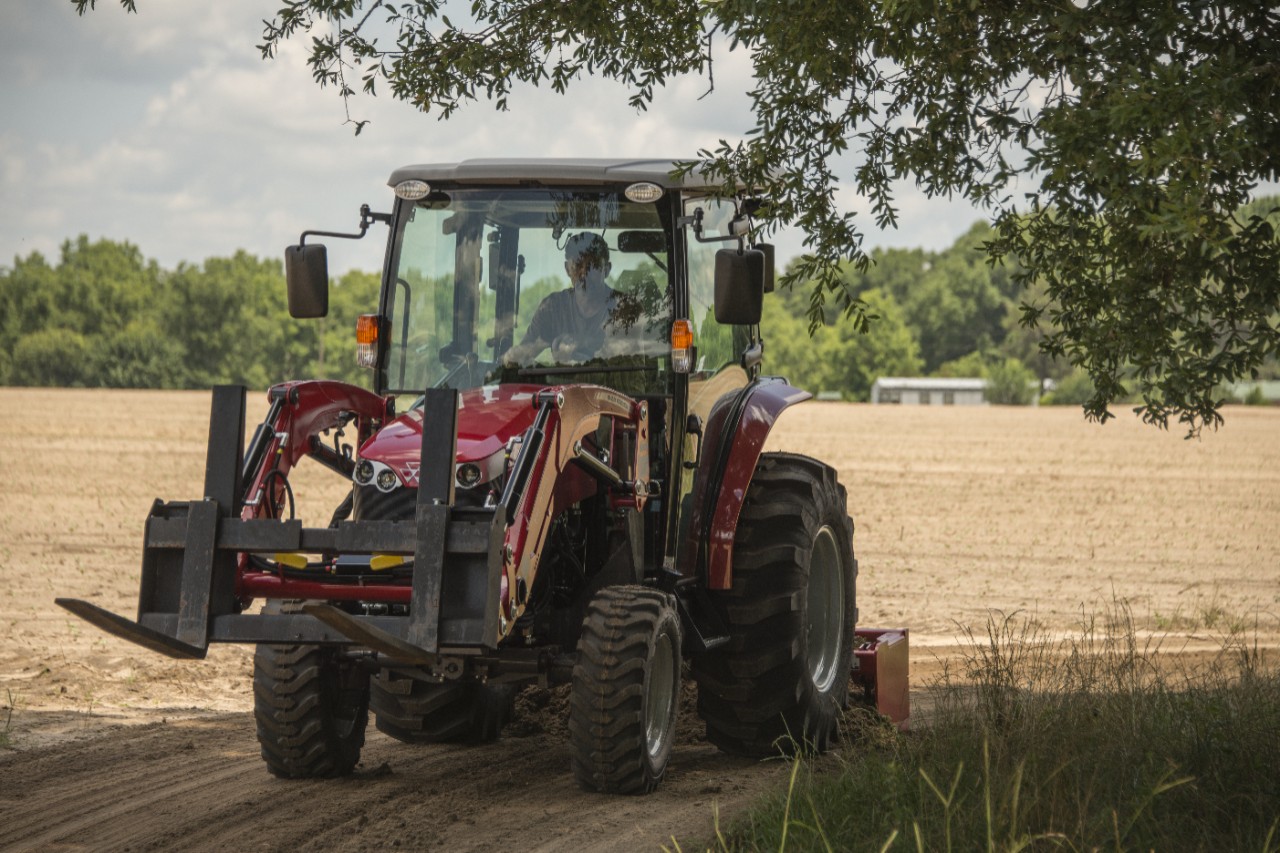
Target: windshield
point(537, 286)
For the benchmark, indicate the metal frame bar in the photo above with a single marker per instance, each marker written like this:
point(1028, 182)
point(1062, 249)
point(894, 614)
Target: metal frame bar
point(431, 518)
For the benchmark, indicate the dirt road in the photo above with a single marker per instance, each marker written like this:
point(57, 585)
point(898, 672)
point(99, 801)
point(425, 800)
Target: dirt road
point(198, 784)
point(959, 512)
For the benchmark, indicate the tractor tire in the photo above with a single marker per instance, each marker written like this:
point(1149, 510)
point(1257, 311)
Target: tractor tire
point(626, 690)
point(412, 710)
point(782, 680)
point(311, 708)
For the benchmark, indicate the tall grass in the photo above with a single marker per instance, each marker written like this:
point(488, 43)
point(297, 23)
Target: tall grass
point(1099, 741)
point(8, 719)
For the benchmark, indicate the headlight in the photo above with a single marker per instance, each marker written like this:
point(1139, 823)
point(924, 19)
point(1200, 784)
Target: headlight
point(643, 192)
point(412, 190)
point(387, 480)
point(369, 472)
point(468, 475)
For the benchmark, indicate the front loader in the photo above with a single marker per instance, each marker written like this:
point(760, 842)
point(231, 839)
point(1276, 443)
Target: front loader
point(558, 477)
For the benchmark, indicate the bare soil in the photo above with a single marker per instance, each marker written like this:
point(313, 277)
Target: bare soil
point(961, 513)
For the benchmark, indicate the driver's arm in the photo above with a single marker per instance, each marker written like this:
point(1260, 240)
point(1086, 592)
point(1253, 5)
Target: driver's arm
point(537, 337)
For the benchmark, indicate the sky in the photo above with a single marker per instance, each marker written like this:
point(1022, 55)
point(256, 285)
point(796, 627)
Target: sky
point(168, 130)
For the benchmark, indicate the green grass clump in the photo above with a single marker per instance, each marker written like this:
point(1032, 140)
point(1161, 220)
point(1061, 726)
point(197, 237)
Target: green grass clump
point(1093, 742)
point(5, 742)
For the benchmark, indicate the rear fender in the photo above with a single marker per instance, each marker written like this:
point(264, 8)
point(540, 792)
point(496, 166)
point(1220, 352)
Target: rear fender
point(733, 440)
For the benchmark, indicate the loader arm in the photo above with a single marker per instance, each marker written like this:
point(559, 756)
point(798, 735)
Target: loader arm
point(543, 483)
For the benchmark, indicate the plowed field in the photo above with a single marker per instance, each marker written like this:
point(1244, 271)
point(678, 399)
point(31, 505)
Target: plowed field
point(959, 512)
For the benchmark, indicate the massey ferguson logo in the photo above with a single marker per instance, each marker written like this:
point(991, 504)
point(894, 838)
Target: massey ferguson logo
point(610, 400)
point(409, 472)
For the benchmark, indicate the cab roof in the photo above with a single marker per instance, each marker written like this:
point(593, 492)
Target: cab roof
point(550, 171)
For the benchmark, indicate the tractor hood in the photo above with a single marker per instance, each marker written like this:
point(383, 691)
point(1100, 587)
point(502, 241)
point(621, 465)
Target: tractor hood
point(488, 417)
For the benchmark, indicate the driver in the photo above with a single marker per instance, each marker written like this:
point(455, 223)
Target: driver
point(571, 322)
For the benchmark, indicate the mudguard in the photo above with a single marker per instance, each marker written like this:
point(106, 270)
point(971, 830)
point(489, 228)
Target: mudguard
point(733, 439)
point(315, 405)
point(300, 411)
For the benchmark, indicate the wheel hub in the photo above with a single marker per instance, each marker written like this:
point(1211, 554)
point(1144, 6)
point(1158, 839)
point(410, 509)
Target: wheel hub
point(825, 600)
point(660, 700)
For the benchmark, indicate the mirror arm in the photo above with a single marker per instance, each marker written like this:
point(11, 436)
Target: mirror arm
point(367, 218)
point(695, 225)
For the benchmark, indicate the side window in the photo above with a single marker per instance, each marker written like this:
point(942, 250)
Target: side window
point(715, 342)
point(718, 368)
point(421, 308)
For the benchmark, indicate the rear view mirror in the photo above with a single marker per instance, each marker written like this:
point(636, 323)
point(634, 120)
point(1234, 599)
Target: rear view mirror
point(649, 242)
point(767, 249)
point(740, 279)
point(306, 271)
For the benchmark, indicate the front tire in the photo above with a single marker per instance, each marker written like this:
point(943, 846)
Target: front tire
point(626, 690)
point(782, 680)
point(311, 709)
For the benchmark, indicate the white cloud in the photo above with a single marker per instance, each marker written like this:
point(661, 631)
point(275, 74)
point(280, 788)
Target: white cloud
point(166, 129)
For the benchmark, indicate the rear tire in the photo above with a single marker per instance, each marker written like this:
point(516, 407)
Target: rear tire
point(782, 680)
point(412, 710)
point(626, 690)
point(311, 709)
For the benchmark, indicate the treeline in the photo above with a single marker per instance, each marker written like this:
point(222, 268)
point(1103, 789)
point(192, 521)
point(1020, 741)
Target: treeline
point(945, 313)
point(105, 317)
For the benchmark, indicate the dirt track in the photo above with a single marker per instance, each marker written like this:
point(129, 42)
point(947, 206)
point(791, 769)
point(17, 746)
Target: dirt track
point(959, 511)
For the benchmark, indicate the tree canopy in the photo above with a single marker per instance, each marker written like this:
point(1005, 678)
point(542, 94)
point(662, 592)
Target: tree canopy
point(102, 316)
point(1113, 143)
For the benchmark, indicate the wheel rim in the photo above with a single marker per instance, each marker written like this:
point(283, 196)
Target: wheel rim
point(659, 702)
point(825, 629)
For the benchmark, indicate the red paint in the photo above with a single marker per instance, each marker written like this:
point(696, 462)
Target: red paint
point(766, 402)
point(265, 585)
point(487, 418)
point(883, 658)
point(554, 482)
point(310, 408)
point(319, 403)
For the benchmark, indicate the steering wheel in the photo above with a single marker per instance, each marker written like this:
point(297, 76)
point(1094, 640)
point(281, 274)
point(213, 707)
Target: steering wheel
point(566, 348)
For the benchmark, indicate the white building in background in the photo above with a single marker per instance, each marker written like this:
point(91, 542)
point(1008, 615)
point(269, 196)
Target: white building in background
point(1269, 390)
point(925, 391)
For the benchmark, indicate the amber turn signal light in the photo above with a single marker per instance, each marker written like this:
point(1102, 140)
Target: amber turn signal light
point(367, 340)
point(681, 346)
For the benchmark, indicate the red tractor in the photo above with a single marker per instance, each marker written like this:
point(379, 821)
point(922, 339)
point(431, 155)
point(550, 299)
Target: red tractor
point(558, 477)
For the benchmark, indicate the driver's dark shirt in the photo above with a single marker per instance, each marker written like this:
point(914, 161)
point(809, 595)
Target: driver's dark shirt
point(558, 315)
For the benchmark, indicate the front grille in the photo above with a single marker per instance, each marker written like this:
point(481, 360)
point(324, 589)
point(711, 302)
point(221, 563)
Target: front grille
point(373, 505)
point(398, 504)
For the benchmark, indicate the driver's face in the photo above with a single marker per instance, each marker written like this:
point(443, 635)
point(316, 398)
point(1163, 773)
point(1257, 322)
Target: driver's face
point(586, 268)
